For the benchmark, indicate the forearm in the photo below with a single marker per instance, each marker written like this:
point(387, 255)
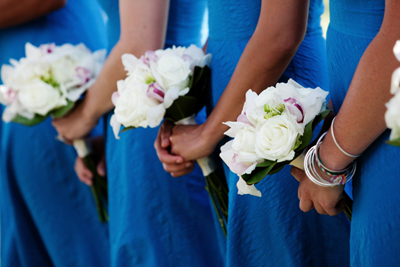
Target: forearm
point(262, 63)
point(361, 118)
point(98, 98)
point(21, 11)
point(137, 37)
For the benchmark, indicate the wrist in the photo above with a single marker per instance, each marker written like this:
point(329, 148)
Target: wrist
point(89, 111)
point(331, 156)
point(213, 134)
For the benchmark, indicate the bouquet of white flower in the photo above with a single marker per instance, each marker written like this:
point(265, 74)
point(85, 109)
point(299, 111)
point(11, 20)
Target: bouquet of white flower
point(48, 82)
point(392, 116)
point(168, 84)
point(274, 128)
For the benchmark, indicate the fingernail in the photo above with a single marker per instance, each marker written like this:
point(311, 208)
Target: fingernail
point(179, 160)
point(188, 165)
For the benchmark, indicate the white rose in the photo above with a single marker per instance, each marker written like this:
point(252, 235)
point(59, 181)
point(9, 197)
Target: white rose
point(239, 154)
point(244, 141)
point(392, 116)
point(171, 71)
point(64, 70)
point(276, 137)
point(40, 97)
point(132, 105)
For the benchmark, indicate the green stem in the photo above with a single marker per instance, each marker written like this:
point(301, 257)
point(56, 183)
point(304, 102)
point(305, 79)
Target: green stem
point(99, 189)
point(212, 196)
point(348, 209)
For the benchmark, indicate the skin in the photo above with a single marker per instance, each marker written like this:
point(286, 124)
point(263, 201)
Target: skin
point(143, 28)
point(84, 174)
point(22, 11)
point(368, 91)
point(282, 26)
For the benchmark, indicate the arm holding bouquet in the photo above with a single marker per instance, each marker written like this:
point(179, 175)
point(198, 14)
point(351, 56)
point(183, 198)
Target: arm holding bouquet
point(257, 69)
point(143, 27)
point(368, 91)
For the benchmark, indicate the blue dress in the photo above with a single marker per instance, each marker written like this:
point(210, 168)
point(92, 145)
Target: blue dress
point(375, 232)
point(272, 230)
point(48, 217)
point(155, 219)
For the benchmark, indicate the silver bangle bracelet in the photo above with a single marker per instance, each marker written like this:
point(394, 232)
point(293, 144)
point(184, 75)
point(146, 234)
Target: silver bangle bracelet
point(313, 175)
point(336, 143)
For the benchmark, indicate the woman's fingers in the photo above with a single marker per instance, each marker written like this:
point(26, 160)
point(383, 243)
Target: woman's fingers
point(165, 133)
point(84, 174)
point(183, 172)
point(177, 167)
point(306, 204)
point(101, 167)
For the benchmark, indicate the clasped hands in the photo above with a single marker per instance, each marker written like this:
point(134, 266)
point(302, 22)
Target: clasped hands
point(178, 146)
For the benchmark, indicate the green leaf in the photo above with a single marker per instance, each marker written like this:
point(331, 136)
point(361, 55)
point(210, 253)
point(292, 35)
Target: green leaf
point(308, 130)
point(128, 128)
point(307, 136)
point(181, 108)
point(395, 142)
point(29, 122)
point(277, 168)
point(258, 174)
point(320, 117)
point(266, 163)
point(58, 113)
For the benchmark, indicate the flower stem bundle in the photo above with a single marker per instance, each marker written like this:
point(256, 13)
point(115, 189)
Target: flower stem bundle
point(169, 84)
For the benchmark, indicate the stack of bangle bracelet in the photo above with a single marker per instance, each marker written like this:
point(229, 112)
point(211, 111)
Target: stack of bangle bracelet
point(339, 177)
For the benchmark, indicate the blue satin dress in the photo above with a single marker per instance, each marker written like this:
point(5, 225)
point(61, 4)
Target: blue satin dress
point(272, 230)
point(48, 217)
point(155, 219)
point(375, 232)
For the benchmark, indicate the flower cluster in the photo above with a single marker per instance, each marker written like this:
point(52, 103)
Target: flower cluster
point(271, 126)
point(392, 116)
point(48, 78)
point(154, 81)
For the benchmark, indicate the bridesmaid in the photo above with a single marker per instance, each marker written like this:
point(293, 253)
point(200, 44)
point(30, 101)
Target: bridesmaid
point(47, 217)
point(280, 40)
point(360, 41)
point(155, 220)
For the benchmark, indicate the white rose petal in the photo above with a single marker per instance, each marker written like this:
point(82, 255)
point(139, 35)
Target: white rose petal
point(275, 138)
point(392, 116)
point(396, 50)
point(171, 71)
point(395, 85)
point(245, 189)
point(132, 105)
point(40, 97)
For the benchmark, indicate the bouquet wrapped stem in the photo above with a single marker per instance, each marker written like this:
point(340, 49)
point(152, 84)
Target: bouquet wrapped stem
point(47, 83)
point(99, 187)
point(215, 186)
point(171, 84)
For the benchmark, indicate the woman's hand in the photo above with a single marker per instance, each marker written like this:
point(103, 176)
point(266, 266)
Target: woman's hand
point(76, 124)
point(326, 200)
point(191, 142)
point(84, 174)
point(173, 164)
